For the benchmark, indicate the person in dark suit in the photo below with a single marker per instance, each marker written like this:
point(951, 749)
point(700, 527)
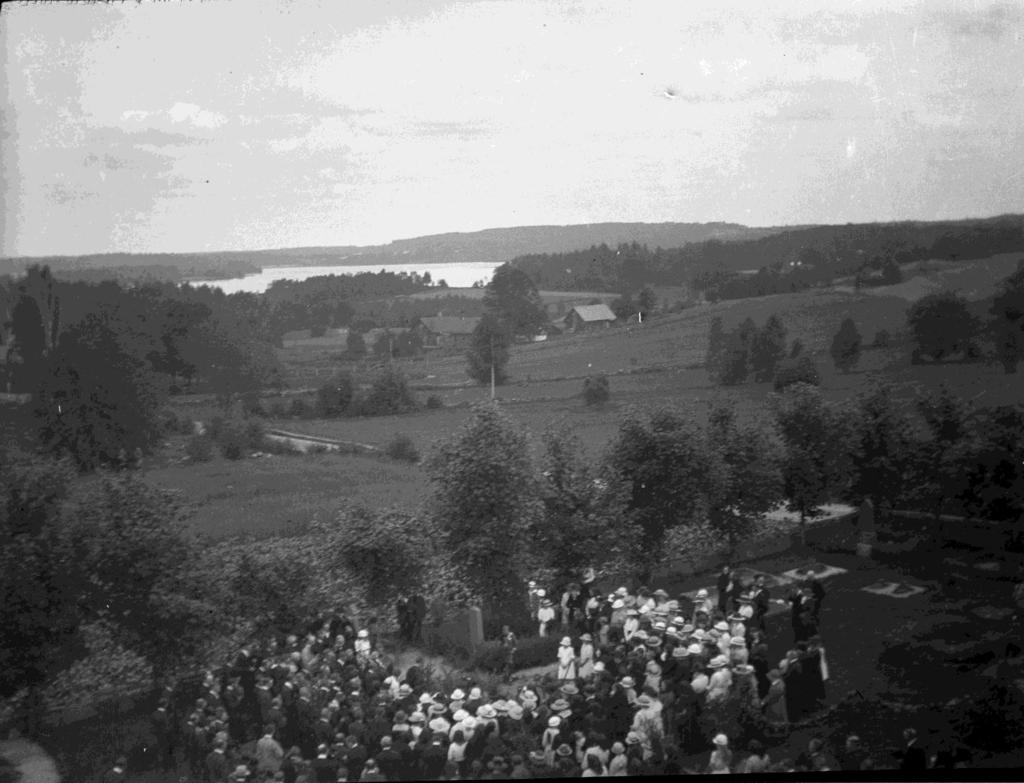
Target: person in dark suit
point(912, 756)
point(817, 593)
point(724, 584)
point(761, 598)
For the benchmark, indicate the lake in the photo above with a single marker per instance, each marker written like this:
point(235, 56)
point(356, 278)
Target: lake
point(456, 275)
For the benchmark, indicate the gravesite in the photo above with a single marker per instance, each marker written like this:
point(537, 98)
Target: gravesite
point(483, 390)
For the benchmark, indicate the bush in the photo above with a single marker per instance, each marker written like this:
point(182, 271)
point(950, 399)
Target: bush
point(300, 409)
point(254, 435)
point(334, 397)
point(177, 425)
point(531, 651)
point(434, 402)
point(389, 393)
point(232, 440)
point(595, 389)
point(402, 448)
point(882, 339)
point(199, 448)
point(277, 410)
point(802, 370)
point(250, 403)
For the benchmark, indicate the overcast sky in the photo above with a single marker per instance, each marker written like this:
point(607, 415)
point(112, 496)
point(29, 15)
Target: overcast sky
point(176, 126)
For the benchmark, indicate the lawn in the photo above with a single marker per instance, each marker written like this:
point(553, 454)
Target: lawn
point(269, 495)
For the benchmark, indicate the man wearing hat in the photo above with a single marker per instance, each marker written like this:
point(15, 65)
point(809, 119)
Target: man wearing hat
point(702, 605)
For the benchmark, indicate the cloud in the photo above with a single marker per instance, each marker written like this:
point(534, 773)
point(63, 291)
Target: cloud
point(196, 116)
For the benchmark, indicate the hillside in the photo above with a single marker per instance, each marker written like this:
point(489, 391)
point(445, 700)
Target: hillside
point(490, 245)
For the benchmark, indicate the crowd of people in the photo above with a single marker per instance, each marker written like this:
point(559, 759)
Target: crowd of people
point(644, 684)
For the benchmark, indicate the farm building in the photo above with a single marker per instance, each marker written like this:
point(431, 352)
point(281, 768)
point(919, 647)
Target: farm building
point(446, 331)
point(584, 317)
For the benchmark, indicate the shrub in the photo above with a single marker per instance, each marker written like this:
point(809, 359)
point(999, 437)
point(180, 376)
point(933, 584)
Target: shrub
point(255, 436)
point(334, 397)
point(232, 440)
point(215, 427)
point(199, 448)
point(434, 402)
point(882, 339)
point(802, 370)
point(300, 409)
point(389, 393)
point(595, 389)
point(402, 448)
point(250, 403)
point(174, 424)
point(530, 651)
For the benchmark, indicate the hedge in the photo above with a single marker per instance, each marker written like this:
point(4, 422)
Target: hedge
point(531, 651)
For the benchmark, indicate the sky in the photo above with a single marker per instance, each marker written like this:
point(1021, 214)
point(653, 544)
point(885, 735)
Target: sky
point(250, 124)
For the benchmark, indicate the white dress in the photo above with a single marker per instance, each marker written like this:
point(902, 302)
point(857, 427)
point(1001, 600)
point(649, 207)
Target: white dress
point(586, 659)
point(566, 663)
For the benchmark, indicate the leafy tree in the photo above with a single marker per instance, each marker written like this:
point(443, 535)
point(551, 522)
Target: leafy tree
point(799, 370)
point(1007, 323)
point(767, 349)
point(99, 395)
point(716, 348)
point(334, 397)
point(891, 273)
point(512, 298)
point(882, 448)
point(38, 588)
point(944, 452)
point(734, 364)
point(584, 521)
point(595, 389)
point(647, 301)
point(846, 346)
point(942, 325)
point(748, 478)
point(355, 343)
point(663, 460)
point(489, 348)
point(129, 542)
point(882, 339)
point(816, 449)
point(994, 465)
point(624, 306)
point(485, 502)
point(387, 552)
point(388, 393)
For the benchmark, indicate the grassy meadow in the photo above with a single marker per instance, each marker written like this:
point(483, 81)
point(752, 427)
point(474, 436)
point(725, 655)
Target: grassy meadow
point(657, 363)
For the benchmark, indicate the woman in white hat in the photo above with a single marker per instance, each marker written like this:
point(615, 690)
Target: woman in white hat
point(545, 615)
point(721, 679)
point(586, 656)
point(702, 605)
point(549, 740)
point(632, 624)
point(566, 660)
point(720, 762)
point(363, 646)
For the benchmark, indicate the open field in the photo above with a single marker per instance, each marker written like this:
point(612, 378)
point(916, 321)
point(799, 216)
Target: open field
point(657, 363)
point(267, 495)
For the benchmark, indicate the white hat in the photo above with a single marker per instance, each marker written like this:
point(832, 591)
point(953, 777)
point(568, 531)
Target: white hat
point(554, 722)
point(721, 739)
point(475, 694)
point(699, 683)
point(747, 611)
point(542, 592)
point(722, 626)
point(702, 593)
point(718, 662)
point(460, 715)
point(566, 642)
point(618, 603)
point(694, 649)
point(363, 634)
point(622, 591)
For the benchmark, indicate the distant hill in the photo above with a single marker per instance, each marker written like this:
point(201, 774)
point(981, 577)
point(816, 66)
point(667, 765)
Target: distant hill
point(490, 245)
